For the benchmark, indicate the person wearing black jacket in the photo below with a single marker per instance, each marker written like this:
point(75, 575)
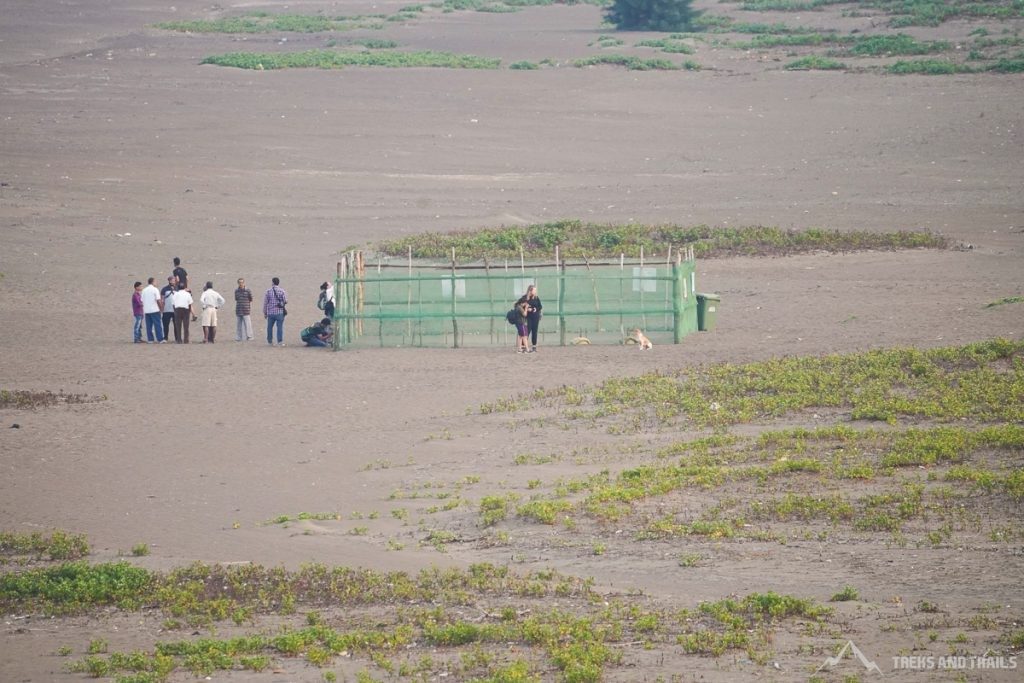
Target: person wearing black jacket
point(533, 315)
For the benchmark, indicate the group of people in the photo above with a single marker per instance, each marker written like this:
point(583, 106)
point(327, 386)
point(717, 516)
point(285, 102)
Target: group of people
point(173, 306)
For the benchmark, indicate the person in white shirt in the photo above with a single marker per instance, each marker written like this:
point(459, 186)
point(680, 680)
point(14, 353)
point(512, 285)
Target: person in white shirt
point(183, 310)
point(210, 300)
point(151, 309)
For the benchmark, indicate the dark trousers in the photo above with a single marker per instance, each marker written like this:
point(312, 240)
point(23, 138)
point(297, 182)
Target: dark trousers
point(168, 323)
point(182, 316)
point(532, 324)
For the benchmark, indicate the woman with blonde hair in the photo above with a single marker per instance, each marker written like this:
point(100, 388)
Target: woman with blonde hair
point(533, 315)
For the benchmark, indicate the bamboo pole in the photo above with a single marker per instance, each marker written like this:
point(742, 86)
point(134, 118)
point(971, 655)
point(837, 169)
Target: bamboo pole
point(408, 308)
point(335, 328)
point(678, 284)
point(643, 286)
point(561, 304)
point(490, 296)
point(622, 274)
point(505, 328)
point(361, 303)
point(341, 300)
point(597, 301)
point(455, 320)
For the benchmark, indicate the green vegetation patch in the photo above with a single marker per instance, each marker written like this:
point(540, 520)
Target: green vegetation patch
point(633, 63)
point(22, 398)
point(768, 40)
point(928, 67)
point(76, 587)
point(330, 59)
point(263, 22)
point(904, 12)
point(581, 645)
point(815, 63)
point(1005, 300)
point(899, 44)
point(214, 592)
point(982, 381)
point(577, 238)
point(59, 545)
point(672, 44)
point(407, 626)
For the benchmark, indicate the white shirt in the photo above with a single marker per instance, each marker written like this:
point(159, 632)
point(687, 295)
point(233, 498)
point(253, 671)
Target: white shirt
point(182, 299)
point(210, 298)
point(150, 299)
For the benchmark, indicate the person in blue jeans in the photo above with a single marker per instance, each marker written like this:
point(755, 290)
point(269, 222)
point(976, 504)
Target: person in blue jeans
point(137, 312)
point(318, 334)
point(274, 302)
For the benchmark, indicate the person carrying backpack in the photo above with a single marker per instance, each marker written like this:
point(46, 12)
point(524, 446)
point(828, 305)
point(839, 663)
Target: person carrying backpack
point(317, 334)
point(326, 300)
point(533, 315)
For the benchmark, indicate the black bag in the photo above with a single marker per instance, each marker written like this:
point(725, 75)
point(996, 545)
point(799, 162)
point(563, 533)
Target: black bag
point(284, 311)
point(512, 316)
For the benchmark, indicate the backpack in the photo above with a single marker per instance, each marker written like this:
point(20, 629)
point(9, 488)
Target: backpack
point(322, 301)
point(512, 316)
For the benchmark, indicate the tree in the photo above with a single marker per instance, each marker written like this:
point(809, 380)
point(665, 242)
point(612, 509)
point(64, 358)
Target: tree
point(651, 15)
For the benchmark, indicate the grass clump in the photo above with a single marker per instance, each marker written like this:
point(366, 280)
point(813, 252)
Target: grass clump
point(1004, 301)
point(673, 44)
point(769, 40)
point(815, 63)
point(27, 399)
point(76, 587)
point(631, 63)
point(494, 509)
point(330, 59)
point(59, 545)
point(928, 67)
point(847, 594)
point(898, 44)
point(734, 624)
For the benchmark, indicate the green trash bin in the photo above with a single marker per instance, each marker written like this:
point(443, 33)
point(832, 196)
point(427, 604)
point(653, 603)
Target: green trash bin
point(707, 311)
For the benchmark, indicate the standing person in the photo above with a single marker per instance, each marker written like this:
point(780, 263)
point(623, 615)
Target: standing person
point(137, 312)
point(180, 272)
point(183, 310)
point(243, 312)
point(326, 301)
point(533, 315)
point(274, 302)
point(166, 296)
point(210, 300)
point(151, 309)
point(522, 310)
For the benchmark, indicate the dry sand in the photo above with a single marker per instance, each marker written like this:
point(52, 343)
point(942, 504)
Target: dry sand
point(112, 127)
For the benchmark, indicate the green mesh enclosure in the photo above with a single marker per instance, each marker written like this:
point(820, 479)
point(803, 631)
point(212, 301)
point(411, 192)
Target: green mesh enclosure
point(438, 306)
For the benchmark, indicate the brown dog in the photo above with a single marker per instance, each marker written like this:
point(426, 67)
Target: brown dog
point(642, 342)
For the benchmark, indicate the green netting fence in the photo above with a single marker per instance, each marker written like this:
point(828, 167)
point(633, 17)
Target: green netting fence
point(464, 305)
